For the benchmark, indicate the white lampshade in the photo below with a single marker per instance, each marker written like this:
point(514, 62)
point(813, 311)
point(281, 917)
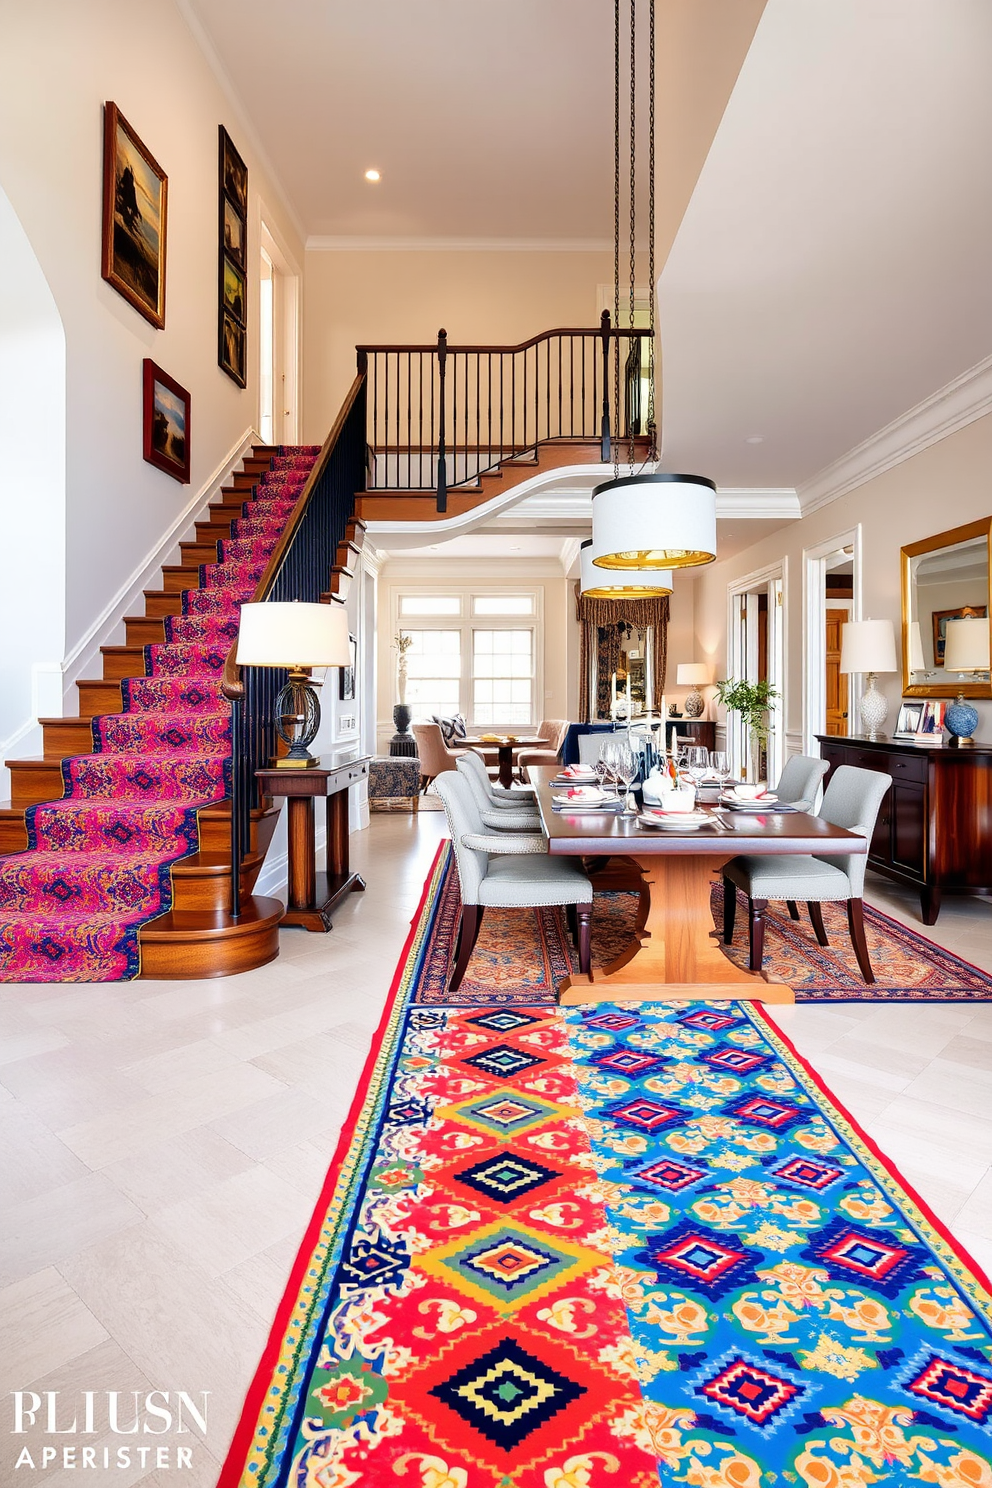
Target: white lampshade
point(293, 635)
point(692, 674)
point(631, 584)
point(654, 521)
point(966, 647)
point(917, 662)
point(868, 646)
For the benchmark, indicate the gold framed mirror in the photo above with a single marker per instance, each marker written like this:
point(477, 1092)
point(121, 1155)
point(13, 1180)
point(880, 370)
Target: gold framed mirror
point(944, 578)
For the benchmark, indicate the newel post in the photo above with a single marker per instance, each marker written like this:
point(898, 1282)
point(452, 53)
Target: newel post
point(442, 468)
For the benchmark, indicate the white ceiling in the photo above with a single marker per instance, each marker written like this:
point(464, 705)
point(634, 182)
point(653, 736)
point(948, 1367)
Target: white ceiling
point(832, 269)
point(485, 119)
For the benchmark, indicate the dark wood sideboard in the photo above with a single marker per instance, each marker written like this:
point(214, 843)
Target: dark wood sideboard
point(934, 828)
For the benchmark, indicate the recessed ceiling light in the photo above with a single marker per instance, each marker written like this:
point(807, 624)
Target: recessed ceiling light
point(372, 175)
point(755, 439)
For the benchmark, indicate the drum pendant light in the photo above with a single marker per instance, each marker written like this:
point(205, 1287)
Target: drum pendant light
point(596, 583)
point(645, 520)
point(654, 521)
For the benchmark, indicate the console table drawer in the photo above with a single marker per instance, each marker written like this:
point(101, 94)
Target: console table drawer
point(905, 767)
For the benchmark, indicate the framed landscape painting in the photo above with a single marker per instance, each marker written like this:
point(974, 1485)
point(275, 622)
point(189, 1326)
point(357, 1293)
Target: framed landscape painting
point(233, 231)
point(135, 198)
point(231, 352)
point(165, 422)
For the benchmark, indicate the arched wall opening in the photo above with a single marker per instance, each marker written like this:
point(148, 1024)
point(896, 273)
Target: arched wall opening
point(32, 493)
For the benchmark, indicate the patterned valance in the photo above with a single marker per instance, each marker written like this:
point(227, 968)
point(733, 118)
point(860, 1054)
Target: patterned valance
point(600, 621)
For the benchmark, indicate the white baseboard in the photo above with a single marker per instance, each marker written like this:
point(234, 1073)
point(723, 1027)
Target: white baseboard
point(86, 652)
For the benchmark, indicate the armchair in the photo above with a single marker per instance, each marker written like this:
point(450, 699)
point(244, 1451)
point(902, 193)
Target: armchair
point(553, 731)
point(435, 756)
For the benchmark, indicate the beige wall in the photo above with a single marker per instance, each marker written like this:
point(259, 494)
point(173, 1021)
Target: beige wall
point(940, 488)
point(386, 298)
point(63, 60)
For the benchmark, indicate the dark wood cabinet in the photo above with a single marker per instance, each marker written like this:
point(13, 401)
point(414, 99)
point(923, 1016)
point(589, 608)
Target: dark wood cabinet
point(934, 828)
point(692, 731)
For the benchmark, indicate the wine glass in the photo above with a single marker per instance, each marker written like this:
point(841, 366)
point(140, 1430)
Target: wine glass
point(720, 766)
point(625, 768)
point(605, 764)
point(696, 763)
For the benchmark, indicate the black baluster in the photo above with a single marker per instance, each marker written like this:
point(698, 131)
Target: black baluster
point(442, 466)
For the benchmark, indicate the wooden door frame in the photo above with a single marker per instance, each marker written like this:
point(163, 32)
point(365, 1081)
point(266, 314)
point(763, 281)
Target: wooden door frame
point(774, 581)
point(815, 561)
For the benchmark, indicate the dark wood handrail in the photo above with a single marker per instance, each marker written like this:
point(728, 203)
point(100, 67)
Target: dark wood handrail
point(232, 686)
point(592, 331)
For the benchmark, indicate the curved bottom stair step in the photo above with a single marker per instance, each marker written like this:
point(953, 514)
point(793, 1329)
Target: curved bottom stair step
point(190, 945)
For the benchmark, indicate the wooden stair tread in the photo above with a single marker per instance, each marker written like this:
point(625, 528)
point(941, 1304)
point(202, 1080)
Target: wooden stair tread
point(196, 924)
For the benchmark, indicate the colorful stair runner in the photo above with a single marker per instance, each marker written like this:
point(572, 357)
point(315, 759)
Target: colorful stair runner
point(98, 862)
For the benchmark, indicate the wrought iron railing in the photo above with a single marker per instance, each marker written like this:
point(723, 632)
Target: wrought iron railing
point(441, 415)
point(299, 568)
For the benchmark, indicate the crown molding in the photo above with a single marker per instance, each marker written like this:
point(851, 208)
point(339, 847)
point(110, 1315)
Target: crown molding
point(574, 503)
point(570, 550)
point(960, 402)
point(323, 243)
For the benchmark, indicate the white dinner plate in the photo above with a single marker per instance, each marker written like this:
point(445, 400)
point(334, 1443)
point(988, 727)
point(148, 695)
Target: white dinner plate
point(675, 821)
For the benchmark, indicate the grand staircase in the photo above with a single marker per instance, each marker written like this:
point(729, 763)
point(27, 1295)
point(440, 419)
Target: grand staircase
point(120, 832)
point(131, 847)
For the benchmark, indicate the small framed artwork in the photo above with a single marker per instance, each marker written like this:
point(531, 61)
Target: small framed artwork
point(231, 353)
point(909, 721)
point(347, 674)
point(166, 423)
point(232, 231)
point(940, 619)
point(135, 198)
point(233, 290)
point(233, 173)
point(232, 261)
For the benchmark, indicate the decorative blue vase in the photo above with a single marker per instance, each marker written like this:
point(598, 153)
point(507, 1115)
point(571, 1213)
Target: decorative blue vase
point(961, 719)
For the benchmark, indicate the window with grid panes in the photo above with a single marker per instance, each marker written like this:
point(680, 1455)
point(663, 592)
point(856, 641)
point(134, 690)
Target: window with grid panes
point(487, 668)
point(502, 677)
point(433, 672)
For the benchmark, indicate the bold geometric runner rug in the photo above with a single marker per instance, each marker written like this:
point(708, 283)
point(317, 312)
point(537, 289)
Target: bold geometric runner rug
point(522, 955)
point(614, 1245)
point(98, 862)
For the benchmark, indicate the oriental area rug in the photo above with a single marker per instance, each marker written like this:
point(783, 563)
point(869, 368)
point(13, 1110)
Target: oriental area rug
point(522, 955)
point(613, 1246)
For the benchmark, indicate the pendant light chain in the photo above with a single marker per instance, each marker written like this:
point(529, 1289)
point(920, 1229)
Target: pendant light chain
point(616, 237)
point(652, 418)
point(632, 450)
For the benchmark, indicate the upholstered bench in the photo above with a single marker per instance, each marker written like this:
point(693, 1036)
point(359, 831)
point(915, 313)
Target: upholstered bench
point(394, 779)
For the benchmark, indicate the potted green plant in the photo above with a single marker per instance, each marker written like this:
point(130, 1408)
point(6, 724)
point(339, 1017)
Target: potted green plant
point(751, 702)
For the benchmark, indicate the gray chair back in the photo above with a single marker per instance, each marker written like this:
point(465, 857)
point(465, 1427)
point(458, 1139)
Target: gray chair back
point(851, 800)
point(471, 768)
point(463, 818)
point(799, 782)
point(590, 745)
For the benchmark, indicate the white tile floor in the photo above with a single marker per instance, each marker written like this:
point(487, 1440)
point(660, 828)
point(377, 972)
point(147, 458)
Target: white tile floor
point(162, 1145)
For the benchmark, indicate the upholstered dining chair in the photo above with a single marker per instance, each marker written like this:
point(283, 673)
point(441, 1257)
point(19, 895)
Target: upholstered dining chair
point(499, 812)
point(851, 800)
point(435, 756)
point(798, 785)
point(799, 781)
point(552, 731)
point(506, 871)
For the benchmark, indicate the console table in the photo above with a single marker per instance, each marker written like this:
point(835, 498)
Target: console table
point(313, 895)
point(934, 829)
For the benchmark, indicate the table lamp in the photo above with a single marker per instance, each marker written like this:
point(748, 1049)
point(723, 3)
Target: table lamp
point(966, 649)
point(693, 674)
point(295, 636)
point(869, 646)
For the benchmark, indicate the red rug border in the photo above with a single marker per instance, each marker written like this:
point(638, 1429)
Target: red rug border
point(886, 1162)
point(244, 1433)
point(978, 970)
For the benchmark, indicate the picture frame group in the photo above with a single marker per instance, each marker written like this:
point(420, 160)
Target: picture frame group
point(232, 271)
point(920, 718)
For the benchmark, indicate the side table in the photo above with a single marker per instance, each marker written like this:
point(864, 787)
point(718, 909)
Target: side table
point(313, 895)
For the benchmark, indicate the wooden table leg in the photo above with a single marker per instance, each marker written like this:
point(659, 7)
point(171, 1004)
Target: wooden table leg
point(675, 957)
point(302, 850)
point(505, 758)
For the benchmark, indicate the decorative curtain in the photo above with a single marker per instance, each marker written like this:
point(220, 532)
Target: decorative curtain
point(600, 621)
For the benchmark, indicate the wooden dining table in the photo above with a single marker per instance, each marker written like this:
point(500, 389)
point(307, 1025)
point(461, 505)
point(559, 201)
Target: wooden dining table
point(505, 749)
point(675, 955)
